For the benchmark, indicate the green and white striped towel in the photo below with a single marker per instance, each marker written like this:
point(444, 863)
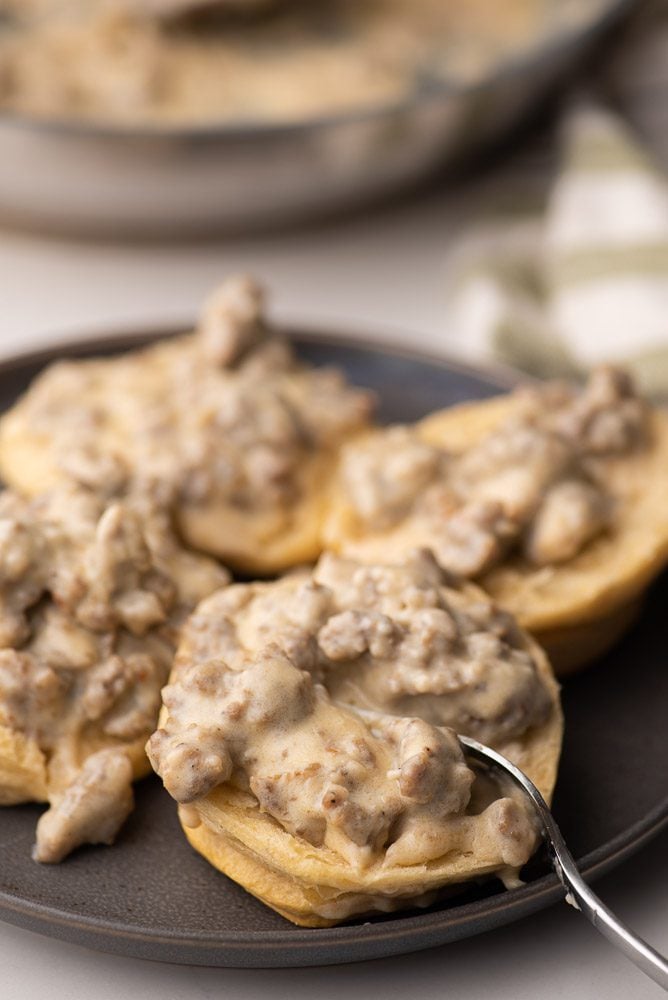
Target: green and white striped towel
point(584, 278)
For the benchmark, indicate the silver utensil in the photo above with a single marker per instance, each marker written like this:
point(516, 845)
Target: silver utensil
point(578, 893)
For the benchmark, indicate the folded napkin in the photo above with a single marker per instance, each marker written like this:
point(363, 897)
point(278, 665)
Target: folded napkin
point(582, 277)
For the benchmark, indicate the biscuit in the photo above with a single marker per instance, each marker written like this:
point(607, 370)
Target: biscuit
point(575, 579)
point(308, 733)
point(89, 615)
point(224, 426)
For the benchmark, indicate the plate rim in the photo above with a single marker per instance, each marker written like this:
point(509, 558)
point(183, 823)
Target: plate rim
point(503, 908)
point(514, 902)
point(128, 335)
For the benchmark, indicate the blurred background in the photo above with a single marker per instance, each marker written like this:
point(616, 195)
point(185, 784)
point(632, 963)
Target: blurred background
point(484, 179)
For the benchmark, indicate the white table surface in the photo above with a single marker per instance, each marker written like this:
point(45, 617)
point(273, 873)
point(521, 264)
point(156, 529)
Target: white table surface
point(379, 275)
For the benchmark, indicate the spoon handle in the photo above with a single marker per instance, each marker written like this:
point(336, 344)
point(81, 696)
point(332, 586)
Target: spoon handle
point(578, 893)
point(581, 896)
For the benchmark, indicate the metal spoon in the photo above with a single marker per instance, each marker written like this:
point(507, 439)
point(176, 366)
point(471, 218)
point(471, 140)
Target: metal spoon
point(578, 893)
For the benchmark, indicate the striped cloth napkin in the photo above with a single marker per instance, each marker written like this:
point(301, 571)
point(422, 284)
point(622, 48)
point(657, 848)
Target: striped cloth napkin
point(580, 275)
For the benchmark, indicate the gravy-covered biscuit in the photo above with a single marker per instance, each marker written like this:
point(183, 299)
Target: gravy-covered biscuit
point(89, 612)
point(225, 426)
point(308, 733)
point(552, 498)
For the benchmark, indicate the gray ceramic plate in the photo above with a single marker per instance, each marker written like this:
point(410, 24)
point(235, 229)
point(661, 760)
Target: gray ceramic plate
point(150, 896)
